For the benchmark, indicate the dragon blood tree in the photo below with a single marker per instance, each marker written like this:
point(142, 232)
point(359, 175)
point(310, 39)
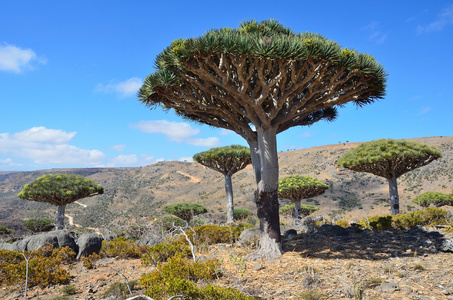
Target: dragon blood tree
point(60, 190)
point(297, 187)
point(389, 159)
point(258, 80)
point(185, 210)
point(226, 160)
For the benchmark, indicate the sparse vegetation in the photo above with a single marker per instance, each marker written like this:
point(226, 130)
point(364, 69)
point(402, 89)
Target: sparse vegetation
point(433, 198)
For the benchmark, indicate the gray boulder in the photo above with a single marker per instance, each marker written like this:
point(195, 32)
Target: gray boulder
point(57, 238)
point(9, 247)
point(89, 243)
point(446, 245)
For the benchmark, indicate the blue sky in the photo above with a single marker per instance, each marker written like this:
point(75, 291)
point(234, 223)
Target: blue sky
point(69, 72)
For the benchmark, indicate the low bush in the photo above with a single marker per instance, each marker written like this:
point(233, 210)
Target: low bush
point(39, 225)
point(88, 260)
point(429, 216)
point(119, 289)
point(215, 234)
point(377, 222)
point(122, 248)
point(5, 231)
point(169, 222)
point(180, 275)
point(197, 222)
point(433, 198)
point(69, 290)
point(241, 213)
point(45, 267)
point(163, 251)
point(343, 223)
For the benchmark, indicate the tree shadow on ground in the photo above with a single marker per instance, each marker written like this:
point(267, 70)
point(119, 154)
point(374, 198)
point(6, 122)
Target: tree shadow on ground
point(335, 242)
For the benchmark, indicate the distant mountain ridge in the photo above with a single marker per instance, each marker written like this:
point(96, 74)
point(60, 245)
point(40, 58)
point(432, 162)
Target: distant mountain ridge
point(137, 195)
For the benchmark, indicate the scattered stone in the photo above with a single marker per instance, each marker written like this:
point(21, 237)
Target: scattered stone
point(258, 267)
point(446, 245)
point(389, 287)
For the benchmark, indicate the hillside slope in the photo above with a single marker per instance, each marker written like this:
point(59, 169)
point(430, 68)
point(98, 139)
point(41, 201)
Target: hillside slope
point(137, 195)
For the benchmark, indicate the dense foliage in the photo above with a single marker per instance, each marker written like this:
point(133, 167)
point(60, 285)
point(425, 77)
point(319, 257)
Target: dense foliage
point(388, 158)
point(180, 276)
point(5, 231)
point(60, 189)
point(241, 213)
point(226, 160)
point(45, 266)
point(429, 216)
point(185, 210)
point(122, 248)
point(433, 198)
point(299, 187)
point(39, 225)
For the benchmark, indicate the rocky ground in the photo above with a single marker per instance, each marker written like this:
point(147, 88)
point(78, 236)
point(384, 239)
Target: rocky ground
point(329, 261)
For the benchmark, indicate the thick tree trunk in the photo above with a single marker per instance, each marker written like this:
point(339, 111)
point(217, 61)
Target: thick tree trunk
point(256, 163)
point(60, 217)
point(394, 198)
point(296, 212)
point(229, 192)
point(266, 197)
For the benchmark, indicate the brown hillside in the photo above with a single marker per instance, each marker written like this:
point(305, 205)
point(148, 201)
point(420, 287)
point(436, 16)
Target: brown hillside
point(137, 195)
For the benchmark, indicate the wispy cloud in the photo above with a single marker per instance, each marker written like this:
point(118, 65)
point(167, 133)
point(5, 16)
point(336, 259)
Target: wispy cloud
point(444, 19)
point(118, 147)
point(17, 60)
point(424, 110)
point(45, 146)
point(375, 33)
point(132, 160)
point(125, 88)
point(306, 134)
point(176, 131)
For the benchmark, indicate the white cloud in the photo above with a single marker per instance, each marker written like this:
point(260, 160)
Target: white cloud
point(444, 19)
point(225, 132)
point(208, 142)
point(118, 147)
point(17, 60)
point(186, 159)
point(44, 146)
point(176, 131)
point(306, 134)
point(6, 161)
point(125, 88)
point(376, 35)
point(132, 160)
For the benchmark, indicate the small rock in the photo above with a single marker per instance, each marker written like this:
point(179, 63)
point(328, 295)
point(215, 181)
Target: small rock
point(258, 267)
point(445, 292)
point(389, 287)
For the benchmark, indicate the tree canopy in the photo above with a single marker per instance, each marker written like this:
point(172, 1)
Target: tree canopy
point(185, 210)
point(299, 187)
point(226, 160)
point(259, 80)
point(389, 158)
point(261, 73)
point(60, 189)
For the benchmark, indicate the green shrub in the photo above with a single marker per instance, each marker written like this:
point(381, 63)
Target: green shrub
point(305, 209)
point(169, 222)
point(185, 210)
point(313, 295)
point(119, 289)
point(377, 222)
point(429, 216)
point(213, 234)
point(88, 260)
point(44, 268)
point(435, 198)
point(121, 248)
point(180, 275)
point(343, 223)
point(39, 225)
point(197, 222)
point(5, 231)
point(241, 213)
point(163, 251)
point(69, 290)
